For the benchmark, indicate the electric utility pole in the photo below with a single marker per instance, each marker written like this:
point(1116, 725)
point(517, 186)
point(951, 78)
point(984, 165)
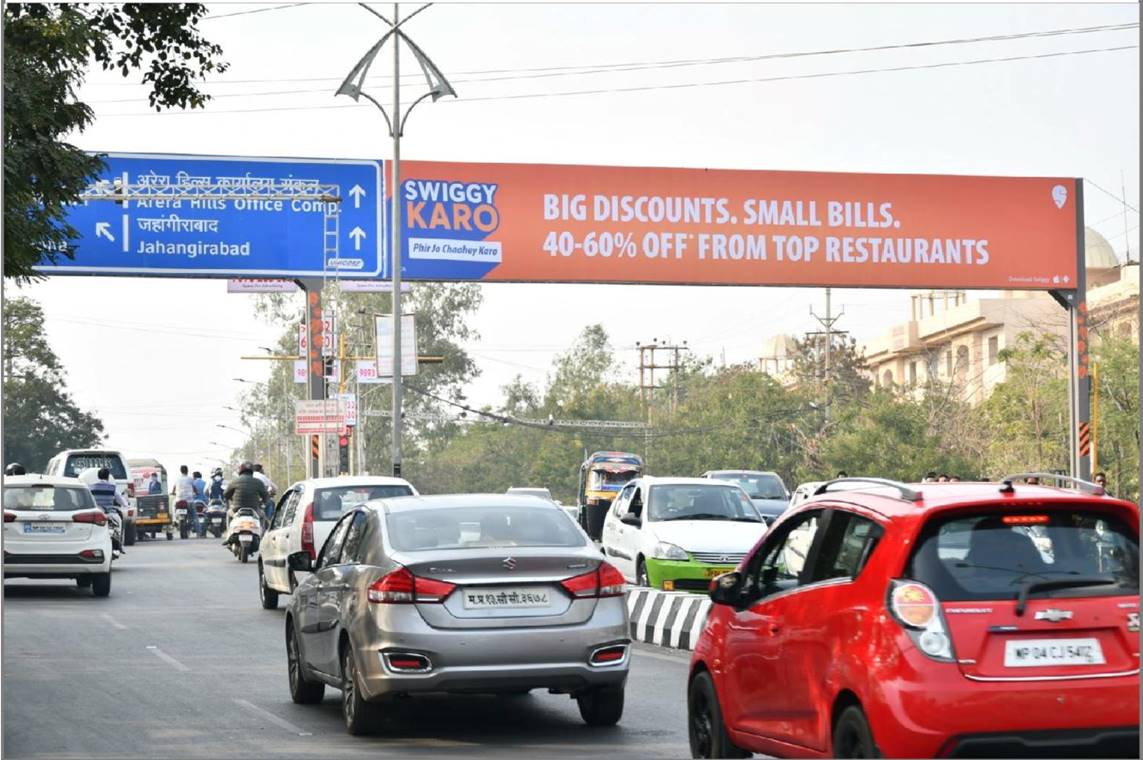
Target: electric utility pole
point(827, 322)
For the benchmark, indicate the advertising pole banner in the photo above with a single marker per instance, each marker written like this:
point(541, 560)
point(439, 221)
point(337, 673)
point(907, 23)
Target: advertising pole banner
point(599, 224)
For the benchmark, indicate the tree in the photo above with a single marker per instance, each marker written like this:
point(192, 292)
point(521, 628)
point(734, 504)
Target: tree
point(47, 50)
point(40, 418)
point(1118, 424)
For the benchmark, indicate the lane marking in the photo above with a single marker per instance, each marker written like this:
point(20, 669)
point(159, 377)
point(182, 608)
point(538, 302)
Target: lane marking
point(663, 657)
point(279, 722)
point(168, 659)
point(115, 623)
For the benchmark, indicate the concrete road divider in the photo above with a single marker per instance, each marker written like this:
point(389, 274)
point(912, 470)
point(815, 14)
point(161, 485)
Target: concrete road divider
point(666, 618)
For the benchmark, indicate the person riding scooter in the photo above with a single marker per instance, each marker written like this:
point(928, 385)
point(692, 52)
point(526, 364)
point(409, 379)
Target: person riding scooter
point(108, 499)
point(246, 491)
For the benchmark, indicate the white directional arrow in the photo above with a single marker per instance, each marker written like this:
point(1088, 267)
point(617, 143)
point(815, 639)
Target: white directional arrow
point(103, 229)
point(358, 192)
point(358, 235)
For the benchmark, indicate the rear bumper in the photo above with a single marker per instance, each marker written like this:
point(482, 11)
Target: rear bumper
point(1102, 742)
point(944, 713)
point(63, 562)
point(495, 659)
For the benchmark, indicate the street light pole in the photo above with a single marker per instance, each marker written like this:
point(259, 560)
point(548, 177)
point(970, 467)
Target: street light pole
point(438, 87)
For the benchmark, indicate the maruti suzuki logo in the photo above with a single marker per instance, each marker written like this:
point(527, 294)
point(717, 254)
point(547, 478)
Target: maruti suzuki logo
point(509, 563)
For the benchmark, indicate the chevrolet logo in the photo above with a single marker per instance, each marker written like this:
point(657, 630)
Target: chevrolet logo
point(509, 563)
point(1053, 616)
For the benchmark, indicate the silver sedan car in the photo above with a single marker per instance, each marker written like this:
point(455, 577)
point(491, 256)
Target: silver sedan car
point(466, 593)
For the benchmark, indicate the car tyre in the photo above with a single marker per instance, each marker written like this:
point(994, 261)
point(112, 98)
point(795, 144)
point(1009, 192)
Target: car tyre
point(170, 536)
point(130, 534)
point(602, 706)
point(268, 595)
point(303, 691)
point(641, 577)
point(101, 584)
point(83, 581)
point(852, 736)
point(706, 730)
point(360, 716)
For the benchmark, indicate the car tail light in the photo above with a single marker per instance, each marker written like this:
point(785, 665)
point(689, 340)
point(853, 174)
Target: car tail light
point(402, 587)
point(604, 581)
point(9, 517)
point(308, 531)
point(917, 609)
point(94, 517)
point(1025, 519)
point(95, 555)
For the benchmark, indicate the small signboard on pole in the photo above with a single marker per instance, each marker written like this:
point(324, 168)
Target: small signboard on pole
point(318, 417)
point(385, 345)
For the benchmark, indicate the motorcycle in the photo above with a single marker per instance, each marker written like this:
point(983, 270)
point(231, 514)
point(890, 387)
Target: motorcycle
point(244, 534)
point(214, 518)
point(115, 526)
point(182, 518)
point(200, 512)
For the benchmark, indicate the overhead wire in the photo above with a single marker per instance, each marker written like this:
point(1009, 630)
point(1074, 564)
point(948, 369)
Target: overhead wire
point(255, 10)
point(658, 87)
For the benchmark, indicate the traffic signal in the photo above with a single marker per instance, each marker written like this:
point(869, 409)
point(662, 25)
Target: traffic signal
point(343, 452)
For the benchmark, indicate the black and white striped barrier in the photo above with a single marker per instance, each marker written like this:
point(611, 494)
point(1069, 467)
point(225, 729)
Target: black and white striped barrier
point(666, 618)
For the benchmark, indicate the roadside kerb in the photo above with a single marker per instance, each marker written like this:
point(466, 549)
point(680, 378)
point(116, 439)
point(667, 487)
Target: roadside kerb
point(667, 618)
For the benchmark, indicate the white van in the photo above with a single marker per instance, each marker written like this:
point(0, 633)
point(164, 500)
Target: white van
point(71, 462)
point(303, 519)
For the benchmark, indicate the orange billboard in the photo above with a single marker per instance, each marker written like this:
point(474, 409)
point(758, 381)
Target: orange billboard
point(606, 224)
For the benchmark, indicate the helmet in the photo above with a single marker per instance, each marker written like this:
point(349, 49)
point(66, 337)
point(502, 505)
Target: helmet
point(245, 467)
point(15, 468)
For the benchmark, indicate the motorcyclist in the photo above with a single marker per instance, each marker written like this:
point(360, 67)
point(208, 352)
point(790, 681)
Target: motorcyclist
point(217, 487)
point(246, 491)
point(15, 468)
point(184, 491)
point(271, 489)
point(108, 499)
point(199, 497)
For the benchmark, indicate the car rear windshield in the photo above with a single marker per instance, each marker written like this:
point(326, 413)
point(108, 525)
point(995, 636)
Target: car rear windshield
point(994, 555)
point(77, 463)
point(48, 498)
point(756, 485)
point(481, 528)
point(332, 503)
point(701, 502)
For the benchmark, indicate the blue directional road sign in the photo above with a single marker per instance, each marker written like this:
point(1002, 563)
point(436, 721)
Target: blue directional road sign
point(226, 216)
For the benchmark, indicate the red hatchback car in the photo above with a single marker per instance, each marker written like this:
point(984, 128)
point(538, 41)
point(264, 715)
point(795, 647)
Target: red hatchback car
point(946, 620)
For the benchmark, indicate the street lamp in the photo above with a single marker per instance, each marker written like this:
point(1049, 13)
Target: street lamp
point(438, 87)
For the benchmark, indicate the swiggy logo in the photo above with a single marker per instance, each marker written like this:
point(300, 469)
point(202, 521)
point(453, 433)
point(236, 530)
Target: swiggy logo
point(441, 206)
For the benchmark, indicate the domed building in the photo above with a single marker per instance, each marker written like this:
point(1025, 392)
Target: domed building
point(952, 339)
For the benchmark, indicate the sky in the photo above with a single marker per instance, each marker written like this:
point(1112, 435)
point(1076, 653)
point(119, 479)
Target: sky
point(180, 341)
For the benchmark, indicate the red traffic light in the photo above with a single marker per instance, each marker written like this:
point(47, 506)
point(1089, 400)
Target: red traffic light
point(343, 440)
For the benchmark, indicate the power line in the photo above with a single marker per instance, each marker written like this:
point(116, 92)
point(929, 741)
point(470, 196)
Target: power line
point(608, 68)
point(256, 10)
point(1107, 192)
point(648, 88)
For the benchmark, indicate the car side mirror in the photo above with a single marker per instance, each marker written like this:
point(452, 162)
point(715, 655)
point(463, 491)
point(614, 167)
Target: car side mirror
point(300, 561)
point(725, 589)
point(631, 519)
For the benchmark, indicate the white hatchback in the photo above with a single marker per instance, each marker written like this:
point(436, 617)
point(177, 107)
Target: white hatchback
point(304, 517)
point(54, 529)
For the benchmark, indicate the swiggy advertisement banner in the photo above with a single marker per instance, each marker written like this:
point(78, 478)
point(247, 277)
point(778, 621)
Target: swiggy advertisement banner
point(596, 224)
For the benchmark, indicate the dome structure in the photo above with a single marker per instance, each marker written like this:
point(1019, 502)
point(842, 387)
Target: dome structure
point(1101, 262)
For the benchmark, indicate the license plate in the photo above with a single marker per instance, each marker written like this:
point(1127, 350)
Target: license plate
point(497, 599)
point(245, 537)
point(711, 572)
point(57, 528)
point(216, 520)
point(1032, 653)
point(180, 513)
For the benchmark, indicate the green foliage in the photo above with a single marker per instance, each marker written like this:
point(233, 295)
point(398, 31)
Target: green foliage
point(47, 50)
point(40, 418)
point(1117, 426)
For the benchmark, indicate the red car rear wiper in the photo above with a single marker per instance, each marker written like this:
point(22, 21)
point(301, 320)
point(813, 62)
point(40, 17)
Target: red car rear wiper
point(1073, 582)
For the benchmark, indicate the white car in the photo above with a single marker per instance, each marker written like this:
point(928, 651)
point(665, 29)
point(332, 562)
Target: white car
point(71, 462)
point(54, 529)
point(678, 533)
point(803, 492)
point(304, 517)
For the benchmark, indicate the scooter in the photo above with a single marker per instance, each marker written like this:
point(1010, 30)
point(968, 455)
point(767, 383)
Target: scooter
point(214, 518)
point(244, 534)
point(115, 525)
point(182, 518)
